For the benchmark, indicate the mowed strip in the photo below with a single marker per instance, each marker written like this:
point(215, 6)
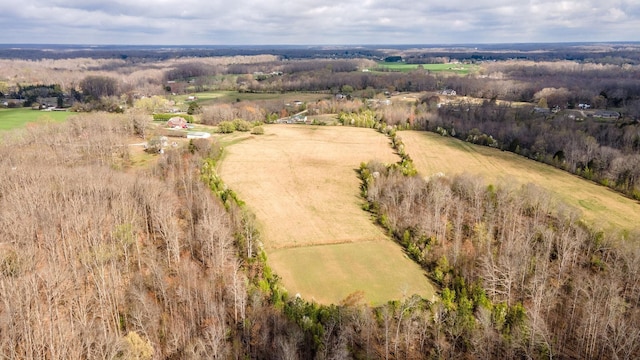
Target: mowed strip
point(301, 183)
point(600, 206)
point(17, 118)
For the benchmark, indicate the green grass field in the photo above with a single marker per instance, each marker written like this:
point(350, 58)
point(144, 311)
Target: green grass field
point(16, 118)
point(461, 69)
point(600, 206)
point(212, 97)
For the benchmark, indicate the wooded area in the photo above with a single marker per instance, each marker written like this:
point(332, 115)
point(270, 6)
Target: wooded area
point(521, 275)
point(101, 257)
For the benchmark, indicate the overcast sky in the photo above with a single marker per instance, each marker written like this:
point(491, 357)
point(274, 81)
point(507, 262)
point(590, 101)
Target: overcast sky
point(316, 22)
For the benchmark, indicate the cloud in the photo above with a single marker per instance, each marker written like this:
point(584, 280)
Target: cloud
point(317, 21)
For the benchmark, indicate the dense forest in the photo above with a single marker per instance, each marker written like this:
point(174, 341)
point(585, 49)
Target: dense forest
point(104, 258)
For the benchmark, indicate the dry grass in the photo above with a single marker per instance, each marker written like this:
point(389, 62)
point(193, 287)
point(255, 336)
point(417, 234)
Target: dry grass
point(301, 183)
point(600, 206)
point(329, 273)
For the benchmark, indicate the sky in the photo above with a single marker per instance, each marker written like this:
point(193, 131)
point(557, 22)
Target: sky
point(316, 22)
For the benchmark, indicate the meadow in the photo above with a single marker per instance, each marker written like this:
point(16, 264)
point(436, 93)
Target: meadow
point(214, 97)
point(16, 118)
point(461, 69)
point(302, 185)
point(601, 207)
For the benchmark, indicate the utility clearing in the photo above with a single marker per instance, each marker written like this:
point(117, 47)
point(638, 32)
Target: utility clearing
point(302, 185)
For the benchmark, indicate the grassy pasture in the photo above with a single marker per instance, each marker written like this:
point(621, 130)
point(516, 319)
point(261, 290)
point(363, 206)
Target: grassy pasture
point(16, 118)
point(301, 183)
point(461, 69)
point(212, 97)
point(328, 273)
point(600, 206)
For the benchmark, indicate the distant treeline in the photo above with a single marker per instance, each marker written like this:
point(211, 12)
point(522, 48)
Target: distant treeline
point(164, 53)
point(605, 53)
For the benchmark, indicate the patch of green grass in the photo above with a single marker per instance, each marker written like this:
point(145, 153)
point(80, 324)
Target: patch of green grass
point(233, 138)
point(213, 97)
point(461, 69)
point(17, 118)
point(142, 159)
point(591, 204)
point(201, 97)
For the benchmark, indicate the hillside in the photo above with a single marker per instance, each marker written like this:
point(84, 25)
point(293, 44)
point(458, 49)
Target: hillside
point(300, 182)
point(600, 206)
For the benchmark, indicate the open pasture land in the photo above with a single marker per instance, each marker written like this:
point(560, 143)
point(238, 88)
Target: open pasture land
point(301, 183)
point(16, 118)
point(461, 69)
point(329, 273)
point(600, 206)
point(213, 97)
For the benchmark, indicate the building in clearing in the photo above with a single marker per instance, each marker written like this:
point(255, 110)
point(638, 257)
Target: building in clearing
point(177, 122)
point(606, 114)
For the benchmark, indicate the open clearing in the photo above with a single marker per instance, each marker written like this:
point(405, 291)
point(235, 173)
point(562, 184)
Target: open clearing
point(461, 69)
point(215, 97)
point(301, 183)
point(329, 273)
point(16, 118)
point(602, 207)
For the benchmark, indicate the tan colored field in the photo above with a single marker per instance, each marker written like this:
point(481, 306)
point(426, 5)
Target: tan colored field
point(301, 183)
point(602, 207)
point(328, 273)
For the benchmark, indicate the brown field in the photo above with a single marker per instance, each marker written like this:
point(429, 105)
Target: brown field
point(301, 183)
point(600, 206)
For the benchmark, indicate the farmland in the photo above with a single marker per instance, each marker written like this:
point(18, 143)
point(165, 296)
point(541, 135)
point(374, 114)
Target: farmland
point(16, 118)
point(461, 69)
point(301, 183)
point(151, 248)
point(599, 205)
point(216, 97)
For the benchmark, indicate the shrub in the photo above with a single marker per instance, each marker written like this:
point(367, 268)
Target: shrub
point(226, 127)
point(258, 130)
point(194, 108)
point(155, 144)
point(242, 125)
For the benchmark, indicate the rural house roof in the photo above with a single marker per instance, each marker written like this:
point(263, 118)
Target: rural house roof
point(606, 114)
point(177, 121)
